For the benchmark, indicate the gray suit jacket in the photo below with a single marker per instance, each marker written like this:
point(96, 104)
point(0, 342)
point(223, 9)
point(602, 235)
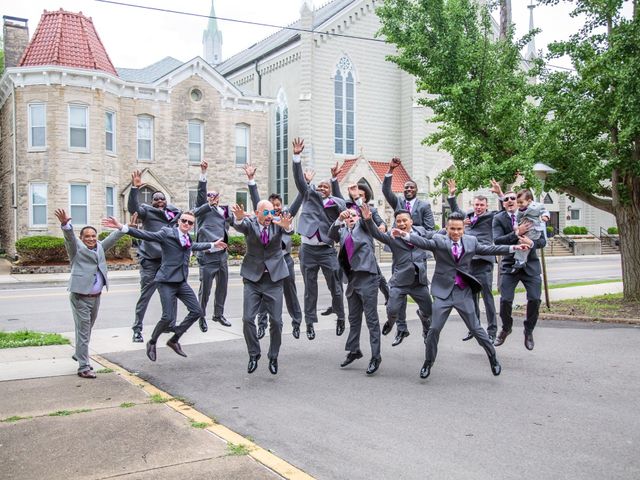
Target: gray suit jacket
point(315, 217)
point(335, 190)
point(260, 258)
point(503, 234)
point(407, 260)
point(482, 228)
point(421, 213)
point(287, 244)
point(85, 263)
point(175, 258)
point(444, 276)
point(153, 219)
point(211, 225)
point(363, 258)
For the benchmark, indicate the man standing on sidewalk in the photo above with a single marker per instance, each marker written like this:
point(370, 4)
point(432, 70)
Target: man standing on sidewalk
point(506, 231)
point(213, 225)
point(153, 217)
point(88, 277)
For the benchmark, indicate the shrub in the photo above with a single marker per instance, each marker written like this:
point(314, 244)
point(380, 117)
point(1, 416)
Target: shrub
point(122, 248)
point(437, 227)
point(575, 230)
point(237, 246)
point(41, 249)
point(612, 230)
point(295, 239)
point(549, 231)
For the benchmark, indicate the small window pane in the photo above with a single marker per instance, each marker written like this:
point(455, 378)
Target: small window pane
point(37, 128)
point(79, 214)
point(77, 126)
point(78, 194)
point(38, 204)
point(39, 215)
point(109, 201)
point(241, 199)
point(109, 131)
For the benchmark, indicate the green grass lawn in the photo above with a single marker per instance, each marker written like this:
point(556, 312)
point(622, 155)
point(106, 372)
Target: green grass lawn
point(27, 338)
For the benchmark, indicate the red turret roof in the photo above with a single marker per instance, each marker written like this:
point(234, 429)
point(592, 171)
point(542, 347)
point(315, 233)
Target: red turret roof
point(68, 39)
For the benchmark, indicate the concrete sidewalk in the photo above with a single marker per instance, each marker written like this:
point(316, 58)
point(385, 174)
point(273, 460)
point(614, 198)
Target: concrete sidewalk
point(60, 426)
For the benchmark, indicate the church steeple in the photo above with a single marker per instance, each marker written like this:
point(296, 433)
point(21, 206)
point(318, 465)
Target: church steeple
point(212, 40)
point(531, 46)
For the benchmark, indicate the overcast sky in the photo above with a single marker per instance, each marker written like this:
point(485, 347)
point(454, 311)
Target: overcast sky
point(137, 37)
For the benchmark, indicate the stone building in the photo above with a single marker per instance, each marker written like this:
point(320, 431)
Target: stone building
point(73, 128)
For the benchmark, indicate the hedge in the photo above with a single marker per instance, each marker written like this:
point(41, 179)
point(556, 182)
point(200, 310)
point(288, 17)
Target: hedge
point(41, 249)
point(122, 248)
point(612, 230)
point(573, 230)
point(236, 245)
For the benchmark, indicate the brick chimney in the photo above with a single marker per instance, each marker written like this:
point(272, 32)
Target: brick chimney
point(16, 38)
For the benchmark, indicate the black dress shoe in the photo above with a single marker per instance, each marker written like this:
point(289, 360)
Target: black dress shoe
point(328, 311)
point(339, 327)
point(492, 338)
point(311, 333)
point(203, 325)
point(260, 332)
point(399, 337)
point(468, 337)
point(253, 363)
point(151, 351)
point(351, 357)
point(528, 340)
point(495, 366)
point(502, 336)
point(222, 321)
point(296, 332)
point(425, 371)
point(137, 337)
point(374, 363)
point(386, 328)
point(175, 346)
point(273, 366)
point(87, 374)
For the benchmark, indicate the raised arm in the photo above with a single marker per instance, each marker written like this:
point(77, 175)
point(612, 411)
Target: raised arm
point(298, 175)
point(453, 203)
point(158, 236)
point(335, 188)
point(70, 243)
point(133, 205)
point(391, 197)
point(371, 229)
point(201, 198)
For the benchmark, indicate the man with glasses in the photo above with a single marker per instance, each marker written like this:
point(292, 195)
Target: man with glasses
point(171, 280)
point(154, 217)
point(213, 225)
point(506, 231)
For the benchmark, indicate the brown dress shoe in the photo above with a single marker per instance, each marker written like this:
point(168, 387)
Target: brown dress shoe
point(502, 336)
point(528, 340)
point(87, 374)
point(175, 346)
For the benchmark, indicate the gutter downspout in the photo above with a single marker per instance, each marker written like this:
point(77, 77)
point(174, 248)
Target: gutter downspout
point(255, 64)
point(15, 169)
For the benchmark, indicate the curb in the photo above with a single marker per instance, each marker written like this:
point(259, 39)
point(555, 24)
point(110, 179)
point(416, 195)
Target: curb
point(581, 318)
point(265, 457)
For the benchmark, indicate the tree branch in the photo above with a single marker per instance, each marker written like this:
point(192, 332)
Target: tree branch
point(600, 203)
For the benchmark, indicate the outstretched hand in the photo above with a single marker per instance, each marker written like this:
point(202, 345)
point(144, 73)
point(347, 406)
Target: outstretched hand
point(250, 171)
point(111, 222)
point(238, 211)
point(393, 164)
point(220, 244)
point(451, 184)
point(309, 173)
point(284, 222)
point(335, 171)
point(62, 216)
point(203, 166)
point(133, 222)
point(396, 232)
point(136, 178)
point(298, 146)
point(365, 211)
point(496, 188)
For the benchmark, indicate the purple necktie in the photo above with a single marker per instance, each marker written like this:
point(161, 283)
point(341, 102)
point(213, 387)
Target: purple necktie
point(169, 214)
point(407, 206)
point(264, 237)
point(474, 219)
point(513, 220)
point(457, 253)
point(187, 241)
point(348, 245)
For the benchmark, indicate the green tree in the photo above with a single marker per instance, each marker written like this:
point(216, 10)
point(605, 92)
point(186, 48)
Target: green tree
point(496, 122)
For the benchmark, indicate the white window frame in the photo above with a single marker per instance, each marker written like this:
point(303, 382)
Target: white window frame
point(32, 224)
point(578, 214)
point(344, 68)
point(113, 150)
point(113, 204)
point(33, 147)
point(190, 141)
point(246, 128)
point(150, 139)
point(84, 148)
point(86, 205)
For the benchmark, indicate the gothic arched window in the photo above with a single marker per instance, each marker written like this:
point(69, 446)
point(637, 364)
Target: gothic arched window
point(282, 148)
point(344, 108)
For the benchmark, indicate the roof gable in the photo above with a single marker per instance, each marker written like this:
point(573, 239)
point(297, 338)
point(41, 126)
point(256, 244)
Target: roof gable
point(400, 175)
point(67, 39)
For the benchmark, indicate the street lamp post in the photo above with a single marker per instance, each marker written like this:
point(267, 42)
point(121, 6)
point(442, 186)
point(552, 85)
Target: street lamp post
point(542, 171)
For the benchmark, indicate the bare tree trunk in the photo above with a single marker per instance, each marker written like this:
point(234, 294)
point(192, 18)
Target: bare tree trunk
point(505, 18)
point(628, 220)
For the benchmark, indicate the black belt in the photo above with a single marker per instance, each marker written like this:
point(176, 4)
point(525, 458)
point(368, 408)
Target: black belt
point(92, 295)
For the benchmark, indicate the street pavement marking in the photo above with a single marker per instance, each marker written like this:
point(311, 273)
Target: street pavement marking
point(265, 457)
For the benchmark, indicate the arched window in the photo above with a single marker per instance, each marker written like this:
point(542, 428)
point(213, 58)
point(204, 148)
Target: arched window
point(282, 148)
point(145, 195)
point(344, 108)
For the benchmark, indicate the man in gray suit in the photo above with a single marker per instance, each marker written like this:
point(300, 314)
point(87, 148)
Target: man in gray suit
point(213, 225)
point(506, 231)
point(319, 211)
point(359, 266)
point(479, 223)
point(289, 284)
point(421, 215)
point(154, 217)
point(176, 247)
point(452, 284)
point(263, 271)
point(409, 273)
point(88, 277)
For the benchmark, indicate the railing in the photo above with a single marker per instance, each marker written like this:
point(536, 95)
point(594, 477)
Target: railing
point(606, 237)
point(569, 243)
